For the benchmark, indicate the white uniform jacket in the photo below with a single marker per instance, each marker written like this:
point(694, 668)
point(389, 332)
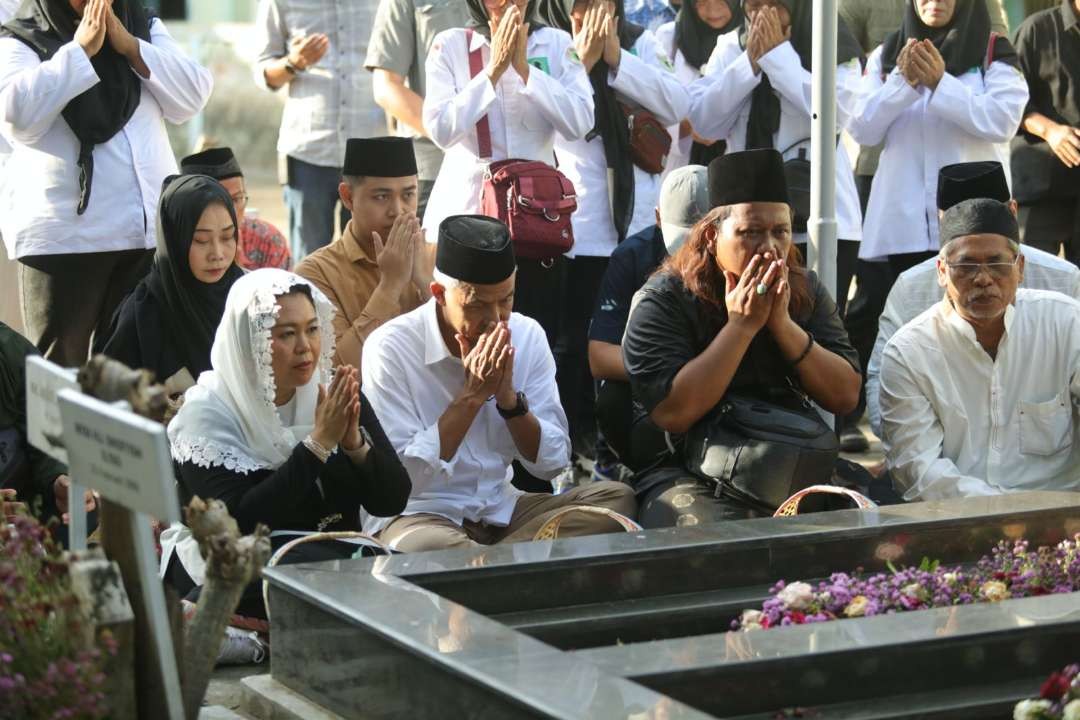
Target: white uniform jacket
point(40, 187)
point(523, 117)
point(643, 79)
point(721, 109)
point(686, 74)
point(966, 119)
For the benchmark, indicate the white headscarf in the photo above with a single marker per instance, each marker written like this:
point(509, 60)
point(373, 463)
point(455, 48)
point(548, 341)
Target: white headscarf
point(229, 417)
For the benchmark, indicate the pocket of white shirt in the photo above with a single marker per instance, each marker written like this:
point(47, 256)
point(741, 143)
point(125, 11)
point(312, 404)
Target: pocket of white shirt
point(1046, 427)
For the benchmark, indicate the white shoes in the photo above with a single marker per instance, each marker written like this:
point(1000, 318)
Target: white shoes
point(241, 647)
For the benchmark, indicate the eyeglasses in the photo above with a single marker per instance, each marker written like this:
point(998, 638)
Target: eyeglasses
point(968, 271)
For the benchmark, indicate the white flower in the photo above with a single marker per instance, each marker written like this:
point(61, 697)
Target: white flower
point(950, 578)
point(912, 590)
point(797, 596)
point(994, 590)
point(1031, 709)
point(751, 619)
point(1072, 711)
point(857, 606)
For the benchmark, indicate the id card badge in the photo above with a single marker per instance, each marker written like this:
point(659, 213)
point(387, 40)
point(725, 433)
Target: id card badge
point(540, 63)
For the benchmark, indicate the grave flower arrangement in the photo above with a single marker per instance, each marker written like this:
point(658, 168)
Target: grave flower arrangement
point(48, 669)
point(1011, 570)
point(1059, 698)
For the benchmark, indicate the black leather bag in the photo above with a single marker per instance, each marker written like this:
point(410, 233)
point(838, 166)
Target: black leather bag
point(762, 453)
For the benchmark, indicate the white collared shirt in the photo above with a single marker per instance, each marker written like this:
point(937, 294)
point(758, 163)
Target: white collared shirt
point(523, 116)
point(721, 111)
point(966, 119)
point(917, 290)
point(410, 378)
point(40, 188)
point(958, 423)
point(643, 79)
point(686, 74)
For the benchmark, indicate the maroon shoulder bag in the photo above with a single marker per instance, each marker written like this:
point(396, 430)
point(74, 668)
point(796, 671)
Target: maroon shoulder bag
point(532, 198)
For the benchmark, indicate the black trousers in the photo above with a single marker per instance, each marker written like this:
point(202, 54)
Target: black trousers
point(561, 296)
point(575, 380)
point(66, 300)
point(1053, 224)
point(638, 444)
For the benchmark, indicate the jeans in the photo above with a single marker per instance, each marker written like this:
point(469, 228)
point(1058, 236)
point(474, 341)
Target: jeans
point(311, 194)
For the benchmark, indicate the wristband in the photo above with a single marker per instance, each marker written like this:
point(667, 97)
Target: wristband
point(806, 350)
point(292, 69)
point(317, 450)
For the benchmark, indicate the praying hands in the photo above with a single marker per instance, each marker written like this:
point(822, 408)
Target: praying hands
point(921, 64)
point(100, 22)
point(766, 33)
point(508, 45)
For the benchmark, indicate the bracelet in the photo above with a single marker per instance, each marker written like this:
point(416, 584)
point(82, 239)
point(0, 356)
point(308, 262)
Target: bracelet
point(806, 350)
point(317, 450)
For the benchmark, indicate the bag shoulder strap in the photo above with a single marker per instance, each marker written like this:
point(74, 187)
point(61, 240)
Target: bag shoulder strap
point(476, 66)
point(991, 47)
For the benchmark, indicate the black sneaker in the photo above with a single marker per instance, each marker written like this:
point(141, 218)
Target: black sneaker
point(852, 440)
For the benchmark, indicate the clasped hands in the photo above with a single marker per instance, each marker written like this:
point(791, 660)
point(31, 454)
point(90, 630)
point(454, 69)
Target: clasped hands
point(489, 366)
point(596, 36)
point(98, 22)
point(401, 257)
point(765, 34)
point(509, 43)
point(337, 414)
point(760, 296)
point(921, 64)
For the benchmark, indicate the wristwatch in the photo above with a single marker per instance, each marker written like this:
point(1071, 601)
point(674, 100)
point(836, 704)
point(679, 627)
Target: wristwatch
point(522, 408)
point(292, 69)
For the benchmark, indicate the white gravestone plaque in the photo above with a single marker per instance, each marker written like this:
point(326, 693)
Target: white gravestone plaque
point(44, 430)
point(125, 457)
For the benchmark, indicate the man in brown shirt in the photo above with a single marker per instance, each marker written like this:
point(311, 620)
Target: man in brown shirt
point(379, 267)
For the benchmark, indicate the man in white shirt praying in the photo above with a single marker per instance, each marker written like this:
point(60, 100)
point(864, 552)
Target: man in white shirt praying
point(978, 394)
point(917, 289)
point(463, 387)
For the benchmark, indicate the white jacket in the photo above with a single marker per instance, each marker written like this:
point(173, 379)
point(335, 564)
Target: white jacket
point(523, 117)
point(643, 78)
point(967, 118)
point(721, 109)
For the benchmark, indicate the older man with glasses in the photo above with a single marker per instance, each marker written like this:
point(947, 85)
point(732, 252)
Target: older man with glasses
point(979, 393)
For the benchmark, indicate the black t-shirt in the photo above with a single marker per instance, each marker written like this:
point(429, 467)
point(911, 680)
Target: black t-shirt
point(670, 327)
point(631, 264)
point(1048, 48)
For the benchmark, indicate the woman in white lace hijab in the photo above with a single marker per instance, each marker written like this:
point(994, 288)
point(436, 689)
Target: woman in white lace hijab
point(272, 435)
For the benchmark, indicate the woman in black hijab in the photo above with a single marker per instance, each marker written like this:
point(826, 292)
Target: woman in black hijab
point(102, 111)
point(940, 90)
point(167, 324)
point(616, 198)
point(757, 95)
point(688, 41)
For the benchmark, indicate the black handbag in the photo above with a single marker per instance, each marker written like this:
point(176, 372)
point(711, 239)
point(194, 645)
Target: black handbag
point(762, 453)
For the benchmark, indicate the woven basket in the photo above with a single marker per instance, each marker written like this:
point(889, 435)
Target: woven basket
point(550, 529)
point(317, 537)
point(791, 505)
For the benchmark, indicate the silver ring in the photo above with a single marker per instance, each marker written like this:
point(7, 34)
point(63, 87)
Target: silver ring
point(761, 288)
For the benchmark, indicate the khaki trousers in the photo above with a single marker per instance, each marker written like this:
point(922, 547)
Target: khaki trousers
point(425, 531)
